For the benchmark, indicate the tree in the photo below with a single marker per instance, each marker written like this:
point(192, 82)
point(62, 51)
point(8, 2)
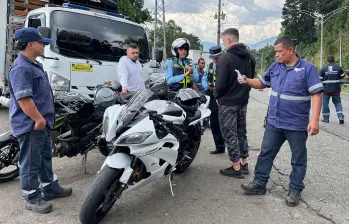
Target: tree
point(173, 31)
point(133, 10)
point(298, 26)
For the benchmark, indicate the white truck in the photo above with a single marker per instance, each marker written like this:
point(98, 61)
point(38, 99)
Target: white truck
point(87, 43)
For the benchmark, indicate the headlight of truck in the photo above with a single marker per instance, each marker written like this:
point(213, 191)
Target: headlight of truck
point(59, 83)
point(135, 138)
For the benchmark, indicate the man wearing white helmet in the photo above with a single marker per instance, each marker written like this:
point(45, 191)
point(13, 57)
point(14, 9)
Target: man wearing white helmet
point(178, 70)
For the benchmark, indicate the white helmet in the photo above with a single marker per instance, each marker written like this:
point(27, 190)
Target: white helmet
point(178, 43)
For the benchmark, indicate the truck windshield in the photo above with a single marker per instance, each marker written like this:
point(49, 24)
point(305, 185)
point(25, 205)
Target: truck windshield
point(95, 37)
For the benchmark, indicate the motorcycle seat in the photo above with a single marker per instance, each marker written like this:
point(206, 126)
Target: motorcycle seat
point(173, 111)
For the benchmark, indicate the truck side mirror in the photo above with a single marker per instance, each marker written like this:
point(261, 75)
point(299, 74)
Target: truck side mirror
point(44, 31)
point(159, 56)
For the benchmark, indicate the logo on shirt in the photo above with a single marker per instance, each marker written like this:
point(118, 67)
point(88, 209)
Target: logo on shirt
point(298, 69)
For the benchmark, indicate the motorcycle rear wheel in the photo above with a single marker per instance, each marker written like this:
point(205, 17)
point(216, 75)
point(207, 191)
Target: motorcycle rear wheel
point(8, 151)
point(101, 196)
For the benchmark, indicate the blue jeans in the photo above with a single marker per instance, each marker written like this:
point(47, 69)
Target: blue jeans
point(35, 161)
point(273, 139)
point(336, 99)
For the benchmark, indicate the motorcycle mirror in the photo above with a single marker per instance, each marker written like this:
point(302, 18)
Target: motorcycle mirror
point(116, 86)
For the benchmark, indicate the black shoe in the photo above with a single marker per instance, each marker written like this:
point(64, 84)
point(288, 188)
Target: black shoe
point(341, 121)
point(325, 120)
point(293, 198)
point(231, 172)
point(216, 151)
point(244, 169)
point(254, 189)
point(39, 206)
point(61, 193)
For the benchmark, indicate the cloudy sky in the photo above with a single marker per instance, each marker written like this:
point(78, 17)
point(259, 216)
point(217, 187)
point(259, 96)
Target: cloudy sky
point(256, 19)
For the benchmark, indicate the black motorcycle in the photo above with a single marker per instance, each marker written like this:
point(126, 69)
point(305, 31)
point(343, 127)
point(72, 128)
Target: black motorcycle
point(77, 129)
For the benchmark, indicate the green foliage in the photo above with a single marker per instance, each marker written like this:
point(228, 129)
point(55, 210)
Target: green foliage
point(133, 10)
point(173, 31)
point(305, 30)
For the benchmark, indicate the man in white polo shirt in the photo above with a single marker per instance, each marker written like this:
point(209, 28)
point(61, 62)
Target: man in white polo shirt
point(130, 73)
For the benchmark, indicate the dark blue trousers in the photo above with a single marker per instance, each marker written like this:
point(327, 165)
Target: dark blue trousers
point(272, 141)
point(35, 161)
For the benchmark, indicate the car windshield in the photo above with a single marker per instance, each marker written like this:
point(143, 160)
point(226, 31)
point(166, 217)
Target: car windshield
point(99, 38)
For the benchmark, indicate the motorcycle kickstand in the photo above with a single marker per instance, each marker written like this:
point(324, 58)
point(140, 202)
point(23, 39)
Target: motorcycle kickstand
point(170, 179)
point(84, 161)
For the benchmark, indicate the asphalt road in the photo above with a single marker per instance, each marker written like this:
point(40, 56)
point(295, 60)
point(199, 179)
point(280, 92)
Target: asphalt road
point(202, 195)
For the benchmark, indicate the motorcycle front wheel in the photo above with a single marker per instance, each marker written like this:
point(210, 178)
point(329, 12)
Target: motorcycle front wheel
point(102, 195)
point(9, 169)
point(184, 164)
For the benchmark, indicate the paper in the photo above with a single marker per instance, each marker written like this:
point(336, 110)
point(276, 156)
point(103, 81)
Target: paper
point(239, 74)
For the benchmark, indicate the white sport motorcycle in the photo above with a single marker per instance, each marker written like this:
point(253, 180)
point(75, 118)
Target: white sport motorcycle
point(150, 139)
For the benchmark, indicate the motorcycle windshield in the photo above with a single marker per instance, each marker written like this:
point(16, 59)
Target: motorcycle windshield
point(134, 108)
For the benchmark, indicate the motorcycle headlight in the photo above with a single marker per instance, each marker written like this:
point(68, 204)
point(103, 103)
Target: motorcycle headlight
point(59, 83)
point(134, 138)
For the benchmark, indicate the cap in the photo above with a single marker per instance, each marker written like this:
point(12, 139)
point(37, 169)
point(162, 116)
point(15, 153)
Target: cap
point(215, 51)
point(30, 34)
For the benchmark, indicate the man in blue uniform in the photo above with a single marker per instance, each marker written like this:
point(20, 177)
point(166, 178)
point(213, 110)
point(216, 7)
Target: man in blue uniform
point(31, 118)
point(295, 84)
point(202, 82)
point(331, 76)
point(215, 53)
point(178, 70)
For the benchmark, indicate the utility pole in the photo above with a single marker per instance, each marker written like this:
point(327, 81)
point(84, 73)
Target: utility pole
point(219, 23)
point(340, 48)
point(322, 42)
point(159, 29)
point(262, 64)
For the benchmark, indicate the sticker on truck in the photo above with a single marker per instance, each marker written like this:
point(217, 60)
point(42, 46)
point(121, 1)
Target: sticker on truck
point(81, 68)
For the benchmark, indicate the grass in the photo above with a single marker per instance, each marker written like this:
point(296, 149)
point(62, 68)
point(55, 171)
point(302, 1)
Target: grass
point(345, 90)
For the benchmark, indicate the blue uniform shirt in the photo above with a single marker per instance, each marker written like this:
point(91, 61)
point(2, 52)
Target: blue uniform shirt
point(292, 88)
point(28, 79)
point(176, 78)
point(202, 82)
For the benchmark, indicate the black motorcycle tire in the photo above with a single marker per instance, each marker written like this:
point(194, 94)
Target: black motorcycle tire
point(106, 179)
point(6, 177)
point(104, 150)
point(193, 153)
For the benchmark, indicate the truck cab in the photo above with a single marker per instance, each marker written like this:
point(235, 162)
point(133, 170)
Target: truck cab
point(86, 46)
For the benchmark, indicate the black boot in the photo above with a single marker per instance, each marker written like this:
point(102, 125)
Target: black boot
point(217, 151)
point(254, 189)
point(293, 198)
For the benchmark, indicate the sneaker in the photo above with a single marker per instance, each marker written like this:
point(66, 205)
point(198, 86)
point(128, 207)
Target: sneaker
point(231, 172)
point(341, 121)
point(216, 151)
point(61, 193)
point(293, 198)
point(254, 189)
point(325, 120)
point(40, 206)
point(244, 169)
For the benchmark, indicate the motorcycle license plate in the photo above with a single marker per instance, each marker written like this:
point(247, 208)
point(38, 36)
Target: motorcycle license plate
point(81, 67)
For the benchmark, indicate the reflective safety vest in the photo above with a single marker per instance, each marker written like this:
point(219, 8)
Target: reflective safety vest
point(180, 69)
point(211, 72)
